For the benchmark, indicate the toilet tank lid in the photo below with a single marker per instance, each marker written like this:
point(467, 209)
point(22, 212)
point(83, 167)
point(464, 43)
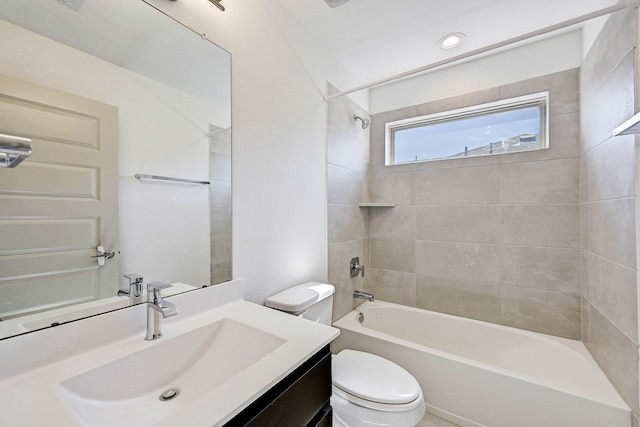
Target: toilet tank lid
point(300, 297)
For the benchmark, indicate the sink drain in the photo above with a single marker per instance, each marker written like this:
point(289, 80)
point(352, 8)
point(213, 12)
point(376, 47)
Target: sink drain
point(170, 394)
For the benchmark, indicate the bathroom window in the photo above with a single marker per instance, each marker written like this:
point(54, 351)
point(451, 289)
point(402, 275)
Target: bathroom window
point(507, 126)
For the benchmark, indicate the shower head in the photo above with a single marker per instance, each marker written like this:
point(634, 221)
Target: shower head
point(365, 122)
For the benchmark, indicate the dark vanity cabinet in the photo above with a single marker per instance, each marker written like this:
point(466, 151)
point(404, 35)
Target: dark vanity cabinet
point(301, 399)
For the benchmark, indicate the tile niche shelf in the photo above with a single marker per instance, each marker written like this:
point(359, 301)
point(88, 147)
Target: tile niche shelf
point(376, 204)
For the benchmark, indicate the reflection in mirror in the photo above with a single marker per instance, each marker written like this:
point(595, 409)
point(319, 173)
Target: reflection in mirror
point(108, 90)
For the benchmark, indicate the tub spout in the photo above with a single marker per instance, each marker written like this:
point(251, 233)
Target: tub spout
point(363, 295)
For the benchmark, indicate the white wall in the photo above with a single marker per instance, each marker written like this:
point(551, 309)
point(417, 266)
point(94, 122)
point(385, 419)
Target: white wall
point(164, 228)
point(550, 55)
point(279, 140)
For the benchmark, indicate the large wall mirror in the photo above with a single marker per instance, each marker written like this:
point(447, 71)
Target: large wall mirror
point(114, 97)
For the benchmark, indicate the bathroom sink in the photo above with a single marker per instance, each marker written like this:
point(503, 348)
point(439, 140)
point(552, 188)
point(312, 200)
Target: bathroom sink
point(149, 385)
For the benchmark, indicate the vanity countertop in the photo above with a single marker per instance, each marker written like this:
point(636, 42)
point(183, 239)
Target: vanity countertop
point(34, 366)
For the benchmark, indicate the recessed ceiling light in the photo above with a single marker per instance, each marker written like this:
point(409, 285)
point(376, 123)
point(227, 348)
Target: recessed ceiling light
point(451, 40)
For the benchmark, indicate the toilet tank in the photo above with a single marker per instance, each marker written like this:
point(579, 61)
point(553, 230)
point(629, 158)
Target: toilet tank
point(312, 301)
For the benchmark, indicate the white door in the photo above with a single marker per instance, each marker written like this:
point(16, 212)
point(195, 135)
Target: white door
point(61, 203)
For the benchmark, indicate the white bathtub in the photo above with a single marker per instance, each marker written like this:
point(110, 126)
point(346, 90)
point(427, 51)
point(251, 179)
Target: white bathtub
point(476, 373)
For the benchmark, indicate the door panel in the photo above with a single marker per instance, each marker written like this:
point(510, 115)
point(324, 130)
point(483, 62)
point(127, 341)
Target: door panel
point(60, 203)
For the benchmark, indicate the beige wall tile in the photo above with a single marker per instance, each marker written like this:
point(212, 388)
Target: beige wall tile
point(541, 311)
point(393, 223)
point(563, 88)
point(349, 149)
point(608, 193)
point(347, 222)
point(460, 186)
point(610, 106)
point(221, 250)
point(398, 188)
point(220, 167)
point(346, 186)
point(393, 254)
point(392, 286)
point(552, 269)
point(586, 323)
point(220, 141)
point(612, 226)
point(476, 300)
point(613, 291)
point(221, 272)
point(617, 355)
point(583, 178)
point(584, 226)
point(541, 225)
point(613, 44)
point(379, 168)
point(549, 181)
point(465, 261)
point(220, 222)
point(611, 168)
point(339, 256)
point(464, 162)
point(472, 224)
point(220, 194)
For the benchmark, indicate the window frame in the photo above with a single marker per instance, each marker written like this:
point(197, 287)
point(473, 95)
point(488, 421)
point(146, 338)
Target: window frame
point(539, 99)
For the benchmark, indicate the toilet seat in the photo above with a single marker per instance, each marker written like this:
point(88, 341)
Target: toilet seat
point(374, 382)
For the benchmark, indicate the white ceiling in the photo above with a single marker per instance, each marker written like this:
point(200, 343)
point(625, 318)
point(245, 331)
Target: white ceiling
point(376, 39)
point(133, 35)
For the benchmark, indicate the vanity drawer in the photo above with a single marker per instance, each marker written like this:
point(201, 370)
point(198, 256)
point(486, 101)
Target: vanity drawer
point(301, 399)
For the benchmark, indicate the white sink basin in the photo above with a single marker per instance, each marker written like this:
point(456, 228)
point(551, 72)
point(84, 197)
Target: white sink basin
point(127, 391)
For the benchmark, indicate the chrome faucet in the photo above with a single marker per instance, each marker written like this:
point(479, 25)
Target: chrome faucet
point(355, 267)
point(363, 295)
point(157, 307)
point(135, 288)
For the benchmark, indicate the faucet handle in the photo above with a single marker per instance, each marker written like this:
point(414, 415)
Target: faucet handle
point(135, 288)
point(156, 286)
point(134, 278)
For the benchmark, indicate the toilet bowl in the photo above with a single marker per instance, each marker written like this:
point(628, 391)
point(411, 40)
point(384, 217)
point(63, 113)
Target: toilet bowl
point(367, 390)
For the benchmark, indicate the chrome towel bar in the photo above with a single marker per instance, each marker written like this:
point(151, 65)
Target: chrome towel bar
point(168, 178)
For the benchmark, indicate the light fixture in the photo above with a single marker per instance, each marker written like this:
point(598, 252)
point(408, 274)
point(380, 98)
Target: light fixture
point(13, 150)
point(451, 40)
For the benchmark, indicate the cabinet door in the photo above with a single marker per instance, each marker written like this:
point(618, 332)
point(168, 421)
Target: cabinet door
point(299, 400)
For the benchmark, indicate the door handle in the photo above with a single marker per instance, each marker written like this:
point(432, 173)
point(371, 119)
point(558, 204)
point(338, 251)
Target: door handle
point(103, 255)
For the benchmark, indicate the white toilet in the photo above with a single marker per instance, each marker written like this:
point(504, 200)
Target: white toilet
point(368, 390)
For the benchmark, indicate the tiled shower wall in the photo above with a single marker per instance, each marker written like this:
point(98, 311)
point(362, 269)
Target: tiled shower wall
point(220, 200)
point(542, 240)
point(495, 238)
point(348, 184)
point(608, 195)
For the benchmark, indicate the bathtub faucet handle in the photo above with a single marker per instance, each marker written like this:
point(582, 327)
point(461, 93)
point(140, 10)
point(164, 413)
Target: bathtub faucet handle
point(355, 267)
